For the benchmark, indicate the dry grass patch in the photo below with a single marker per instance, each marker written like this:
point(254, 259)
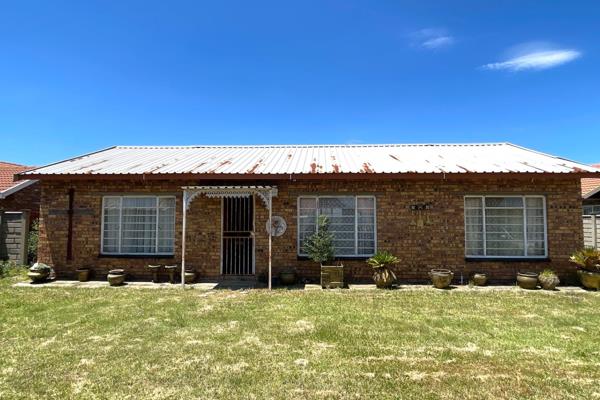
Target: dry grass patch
point(104, 343)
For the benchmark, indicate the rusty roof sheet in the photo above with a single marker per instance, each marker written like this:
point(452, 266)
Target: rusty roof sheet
point(314, 159)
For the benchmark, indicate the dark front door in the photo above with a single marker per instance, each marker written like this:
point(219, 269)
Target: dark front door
point(237, 254)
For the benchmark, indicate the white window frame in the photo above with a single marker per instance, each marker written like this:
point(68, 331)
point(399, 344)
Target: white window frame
point(524, 197)
point(355, 197)
point(120, 197)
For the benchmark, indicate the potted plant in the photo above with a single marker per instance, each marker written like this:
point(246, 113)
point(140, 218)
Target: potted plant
point(480, 279)
point(83, 274)
point(154, 269)
point(588, 261)
point(548, 279)
point(116, 277)
point(171, 269)
point(383, 276)
point(287, 276)
point(527, 280)
point(319, 247)
point(441, 277)
point(39, 272)
point(190, 275)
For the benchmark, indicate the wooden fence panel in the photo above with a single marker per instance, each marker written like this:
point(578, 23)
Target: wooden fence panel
point(591, 231)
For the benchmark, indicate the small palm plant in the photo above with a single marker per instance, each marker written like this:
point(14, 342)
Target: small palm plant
point(587, 259)
point(383, 276)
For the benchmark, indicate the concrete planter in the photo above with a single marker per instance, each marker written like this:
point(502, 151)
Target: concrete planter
point(38, 277)
point(527, 280)
point(589, 280)
point(480, 279)
point(441, 278)
point(39, 273)
point(171, 270)
point(83, 274)
point(154, 269)
point(549, 282)
point(287, 277)
point(116, 277)
point(384, 278)
point(190, 276)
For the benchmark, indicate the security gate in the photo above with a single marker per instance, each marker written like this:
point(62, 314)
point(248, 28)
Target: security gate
point(237, 252)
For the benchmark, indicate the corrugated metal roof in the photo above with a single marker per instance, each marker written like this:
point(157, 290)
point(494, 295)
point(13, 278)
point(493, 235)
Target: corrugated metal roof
point(314, 159)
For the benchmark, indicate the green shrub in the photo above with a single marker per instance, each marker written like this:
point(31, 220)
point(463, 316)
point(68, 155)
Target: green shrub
point(32, 241)
point(547, 273)
point(10, 268)
point(319, 246)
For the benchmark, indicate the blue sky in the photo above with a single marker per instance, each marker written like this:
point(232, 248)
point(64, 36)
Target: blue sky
point(83, 75)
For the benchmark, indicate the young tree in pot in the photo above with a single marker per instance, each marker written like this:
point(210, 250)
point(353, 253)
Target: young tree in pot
point(319, 247)
point(588, 261)
point(383, 276)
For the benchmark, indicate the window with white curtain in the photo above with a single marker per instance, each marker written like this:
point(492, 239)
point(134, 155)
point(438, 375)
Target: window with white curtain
point(138, 224)
point(351, 221)
point(505, 226)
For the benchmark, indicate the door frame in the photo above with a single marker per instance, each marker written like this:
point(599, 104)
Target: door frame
point(252, 235)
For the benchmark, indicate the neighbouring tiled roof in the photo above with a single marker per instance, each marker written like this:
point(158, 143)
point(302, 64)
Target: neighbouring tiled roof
point(7, 172)
point(314, 159)
point(589, 185)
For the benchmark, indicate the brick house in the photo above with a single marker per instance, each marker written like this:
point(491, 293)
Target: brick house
point(590, 191)
point(496, 207)
point(19, 206)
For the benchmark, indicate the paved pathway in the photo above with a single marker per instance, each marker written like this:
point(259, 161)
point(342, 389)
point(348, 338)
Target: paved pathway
point(234, 285)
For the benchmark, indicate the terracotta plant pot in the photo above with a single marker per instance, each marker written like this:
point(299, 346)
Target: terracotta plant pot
point(548, 282)
point(441, 278)
point(527, 280)
point(384, 278)
point(171, 269)
point(287, 277)
point(116, 277)
point(589, 280)
point(190, 276)
point(480, 279)
point(83, 274)
point(154, 269)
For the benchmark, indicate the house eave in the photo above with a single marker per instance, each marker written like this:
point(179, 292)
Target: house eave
point(313, 176)
point(19, 186)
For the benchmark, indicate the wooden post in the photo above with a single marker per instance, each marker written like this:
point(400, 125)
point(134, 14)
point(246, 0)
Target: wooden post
point(183, 238)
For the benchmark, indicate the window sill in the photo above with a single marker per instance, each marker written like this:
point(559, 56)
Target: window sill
point(507, 259)
point(153, 256)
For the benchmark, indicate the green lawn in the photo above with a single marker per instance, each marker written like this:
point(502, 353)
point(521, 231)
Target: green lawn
point(135, 343)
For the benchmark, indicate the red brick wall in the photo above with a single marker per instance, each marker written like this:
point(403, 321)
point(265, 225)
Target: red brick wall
point(438, 241)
